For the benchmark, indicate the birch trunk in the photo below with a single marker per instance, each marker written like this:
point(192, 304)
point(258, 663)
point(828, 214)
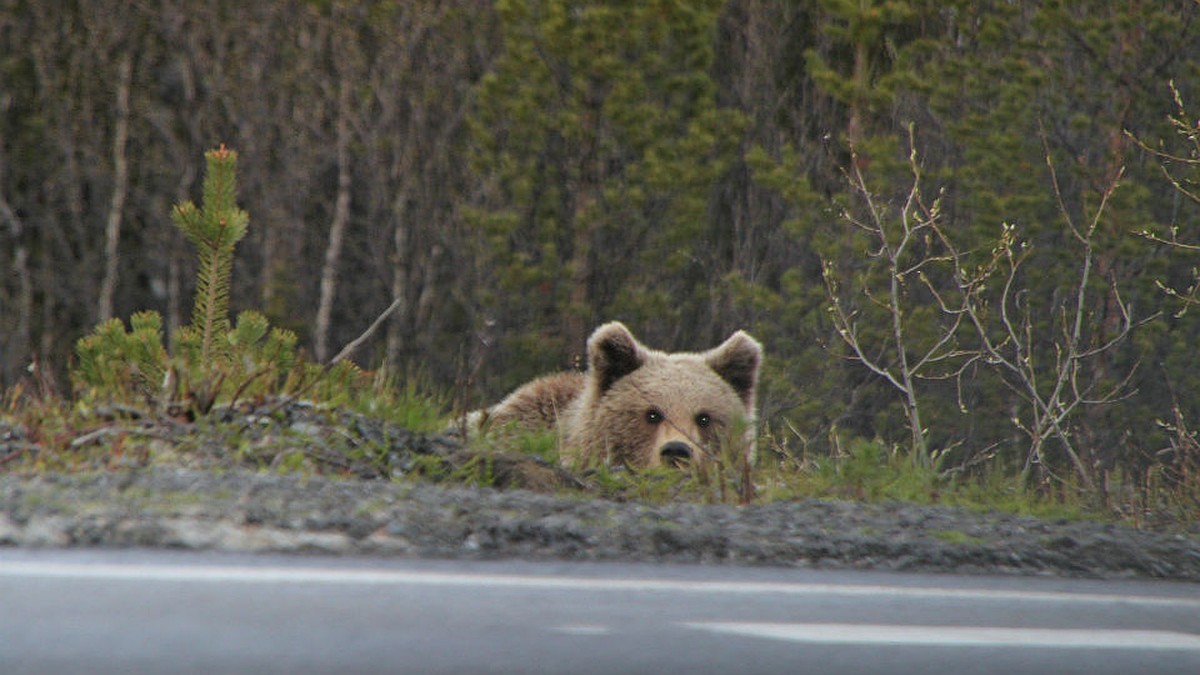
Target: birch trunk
point(337, 232)
point(112, 229)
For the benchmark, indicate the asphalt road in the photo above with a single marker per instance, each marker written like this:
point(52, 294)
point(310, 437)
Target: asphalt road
point(161, 612)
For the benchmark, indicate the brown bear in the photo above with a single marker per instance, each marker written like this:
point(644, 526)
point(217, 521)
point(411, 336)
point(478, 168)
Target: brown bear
point(639, 407)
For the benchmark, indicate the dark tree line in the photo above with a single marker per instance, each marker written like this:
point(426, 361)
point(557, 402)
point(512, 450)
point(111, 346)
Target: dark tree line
point(516, 172)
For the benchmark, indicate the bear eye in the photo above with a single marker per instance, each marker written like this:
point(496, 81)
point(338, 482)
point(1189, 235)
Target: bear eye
point(703, 420)
point(654, 416)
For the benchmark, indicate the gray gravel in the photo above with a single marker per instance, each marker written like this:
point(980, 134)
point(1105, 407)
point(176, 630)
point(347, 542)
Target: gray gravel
point(243, 510)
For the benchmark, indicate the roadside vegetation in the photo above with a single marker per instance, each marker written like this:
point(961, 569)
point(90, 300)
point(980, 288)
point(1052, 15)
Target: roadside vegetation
point(965, 233)
point(223, 394)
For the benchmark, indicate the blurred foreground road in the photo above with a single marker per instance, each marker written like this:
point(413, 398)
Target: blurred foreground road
point(159, 612)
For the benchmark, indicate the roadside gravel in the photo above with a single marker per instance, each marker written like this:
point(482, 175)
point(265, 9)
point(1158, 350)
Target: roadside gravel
point(244, 510)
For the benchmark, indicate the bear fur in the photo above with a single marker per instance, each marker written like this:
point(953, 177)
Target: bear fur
point(639, 407)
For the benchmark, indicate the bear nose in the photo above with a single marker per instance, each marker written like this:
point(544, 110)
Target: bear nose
point(675, 454)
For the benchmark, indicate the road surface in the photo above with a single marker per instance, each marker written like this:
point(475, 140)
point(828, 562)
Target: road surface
point(72, 611)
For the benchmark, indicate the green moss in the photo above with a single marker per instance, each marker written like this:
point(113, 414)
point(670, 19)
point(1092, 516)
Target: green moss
point(957, 537)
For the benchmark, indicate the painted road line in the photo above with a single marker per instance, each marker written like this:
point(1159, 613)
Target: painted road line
point(584, 629)
point(957, 636)
point(149, 572)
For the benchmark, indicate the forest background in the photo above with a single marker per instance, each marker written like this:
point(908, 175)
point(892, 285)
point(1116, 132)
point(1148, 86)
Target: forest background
point(965, 230)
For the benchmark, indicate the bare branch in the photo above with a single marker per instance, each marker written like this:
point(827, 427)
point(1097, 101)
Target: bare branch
point(366, 335)
point(895, 234)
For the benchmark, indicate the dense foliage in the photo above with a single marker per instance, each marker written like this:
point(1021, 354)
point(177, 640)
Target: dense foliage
point(933, 214)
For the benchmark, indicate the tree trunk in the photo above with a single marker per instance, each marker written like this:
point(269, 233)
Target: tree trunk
point(397, 327)
point(579, 297)
point(18, 346)
point(337, 232)
point(584, 221)
point(112, 229)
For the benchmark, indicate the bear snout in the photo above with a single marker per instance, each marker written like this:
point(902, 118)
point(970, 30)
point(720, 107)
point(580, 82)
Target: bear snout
point(675, 454)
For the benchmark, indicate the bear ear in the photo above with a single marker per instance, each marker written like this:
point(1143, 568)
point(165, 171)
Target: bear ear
point(613, 353)
point(737, 360)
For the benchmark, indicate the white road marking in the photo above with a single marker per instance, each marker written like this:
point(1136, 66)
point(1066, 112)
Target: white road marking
point(582, 629)
point(958, 636)
point(148, 572)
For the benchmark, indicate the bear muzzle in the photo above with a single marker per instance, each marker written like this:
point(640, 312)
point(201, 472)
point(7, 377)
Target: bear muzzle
point(676, 454)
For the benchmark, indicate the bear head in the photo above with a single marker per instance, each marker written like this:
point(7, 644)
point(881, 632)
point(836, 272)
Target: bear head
point(645, 408)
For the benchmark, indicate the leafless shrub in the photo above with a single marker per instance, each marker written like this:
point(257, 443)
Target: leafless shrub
point(984, 318)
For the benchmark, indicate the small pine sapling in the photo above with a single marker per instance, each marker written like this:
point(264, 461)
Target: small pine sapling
point(211, 358)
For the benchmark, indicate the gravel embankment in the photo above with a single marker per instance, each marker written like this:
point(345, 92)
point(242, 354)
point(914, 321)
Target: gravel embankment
point(242, 510)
